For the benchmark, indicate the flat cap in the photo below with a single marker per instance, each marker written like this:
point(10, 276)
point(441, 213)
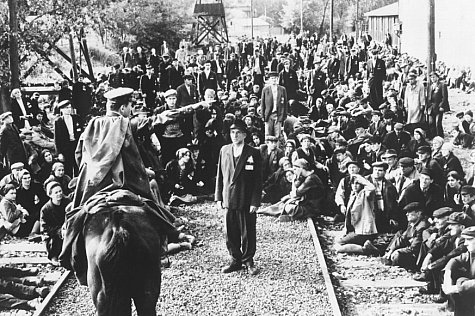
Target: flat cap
point(427, 172)
point(273, 74)
point(64, 103)
point(17, 165)
point(411, 75)
point(353, 162)
point(117, 93)
point(271, 138)
point(169, 93)
point(239, 125)
point(188, 76)
point(333, 129)
point(413, 207)
point(460, 218)
point(406, 162)
point(398, 126)
point(5, 115)
point(389, 153)
point(443, 211)
point(165, 54)
point(469, 232)
point(380, 165)
point(302, 163)
point(376, 112)
point(424, 150)
point(467, 190)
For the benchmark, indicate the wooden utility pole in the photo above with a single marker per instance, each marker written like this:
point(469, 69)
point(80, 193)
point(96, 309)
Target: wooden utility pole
point(73, 57)
point(431, 56)
point(13, 43)
point(301, 16)
point(331, 21)
point(252, 21)
point(357, 20)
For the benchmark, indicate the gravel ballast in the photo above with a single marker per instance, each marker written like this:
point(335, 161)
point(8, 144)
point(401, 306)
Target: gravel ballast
point(290, 281)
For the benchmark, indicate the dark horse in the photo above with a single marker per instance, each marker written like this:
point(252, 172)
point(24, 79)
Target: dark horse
point(123, 248)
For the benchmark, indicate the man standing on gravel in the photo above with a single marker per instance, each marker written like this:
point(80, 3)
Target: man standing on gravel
point(238, 191)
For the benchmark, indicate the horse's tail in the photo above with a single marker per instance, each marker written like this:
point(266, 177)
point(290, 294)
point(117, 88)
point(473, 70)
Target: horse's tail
point(115, 255)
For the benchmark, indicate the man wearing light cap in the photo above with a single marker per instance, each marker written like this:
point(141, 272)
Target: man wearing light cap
point(459, 277)
point(238, 192)
point(414, 101)
point(408, 174)
point(13, 177)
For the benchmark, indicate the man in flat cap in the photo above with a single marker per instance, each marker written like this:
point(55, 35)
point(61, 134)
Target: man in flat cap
point(238, 192)
point(148, 87)
point(67, 130)
point(414, 102)
point(11, 145)
point(425, 192)
point(274, 105)
point(398, 139)
point(408, 174)
point(437, 104)
point(468, 199)
point(448, 246)
point(207, 79)
point(271, 154)
point(386, 210)
point(459, 277)
point(404, 247)
point(425, 161)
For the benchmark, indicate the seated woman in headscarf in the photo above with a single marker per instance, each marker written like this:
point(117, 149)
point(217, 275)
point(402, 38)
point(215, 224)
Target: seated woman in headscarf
point(180, 182)
point(360, 222)
point(12, 216)
point(305, 198)
point(58, 175)
point(277, 185)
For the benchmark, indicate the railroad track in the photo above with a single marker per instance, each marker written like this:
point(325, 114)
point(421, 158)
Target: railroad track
point(23, 254)
point(361, 285)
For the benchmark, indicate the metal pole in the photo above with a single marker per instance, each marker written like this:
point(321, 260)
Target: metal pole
point(301, 16)
point(14, 55)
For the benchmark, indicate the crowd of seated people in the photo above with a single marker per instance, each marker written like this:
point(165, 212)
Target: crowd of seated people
point(341, 126)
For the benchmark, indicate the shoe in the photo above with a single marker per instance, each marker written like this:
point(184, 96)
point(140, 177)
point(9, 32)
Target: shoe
point(421, 277)
point(439, 299)
point(42, 291)
point(370, 249)
point(386, 261)
point(233, 266)
point(33, 304)
point(339, 218)
point(427, 291)
point(165, 263)
point(251, 268)
point(284, 218)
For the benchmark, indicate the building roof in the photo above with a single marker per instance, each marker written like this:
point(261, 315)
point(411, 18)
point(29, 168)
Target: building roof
point(389, 10)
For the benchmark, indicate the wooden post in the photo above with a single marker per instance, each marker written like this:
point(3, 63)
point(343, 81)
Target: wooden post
point(331, 21)
point(252, 21)
point(14, 56)
point(431, 56)
point(357, 21)
point(73, 57)
point(301, 17)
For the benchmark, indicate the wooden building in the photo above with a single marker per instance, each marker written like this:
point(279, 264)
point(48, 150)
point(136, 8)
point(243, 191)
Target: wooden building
point(382, 21)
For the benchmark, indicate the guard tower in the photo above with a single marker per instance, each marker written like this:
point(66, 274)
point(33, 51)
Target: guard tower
point(211, 22)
